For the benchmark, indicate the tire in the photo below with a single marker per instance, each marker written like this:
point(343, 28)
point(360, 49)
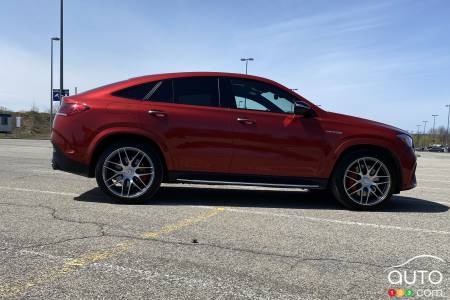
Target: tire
point(358, 189)
point(129, 172)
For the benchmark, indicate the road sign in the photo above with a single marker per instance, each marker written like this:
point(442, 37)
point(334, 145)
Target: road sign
point(56, 94)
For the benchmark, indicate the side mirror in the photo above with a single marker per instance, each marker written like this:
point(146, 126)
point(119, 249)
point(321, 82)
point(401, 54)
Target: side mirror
point(301, 108)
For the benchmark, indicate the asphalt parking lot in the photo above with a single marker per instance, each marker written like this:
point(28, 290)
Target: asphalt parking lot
point(60, 237)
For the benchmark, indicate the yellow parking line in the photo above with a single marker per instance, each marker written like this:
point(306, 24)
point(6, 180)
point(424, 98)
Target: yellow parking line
point(72, 265)
point(184, 223)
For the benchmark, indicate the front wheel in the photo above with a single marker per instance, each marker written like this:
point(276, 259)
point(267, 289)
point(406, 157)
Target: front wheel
point(129, 172)
point(363, 180)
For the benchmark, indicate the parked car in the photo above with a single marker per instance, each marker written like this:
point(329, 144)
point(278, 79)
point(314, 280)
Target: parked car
point(436, 148)
point(222, 128)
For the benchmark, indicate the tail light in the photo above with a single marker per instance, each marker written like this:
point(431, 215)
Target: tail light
point(68, 109)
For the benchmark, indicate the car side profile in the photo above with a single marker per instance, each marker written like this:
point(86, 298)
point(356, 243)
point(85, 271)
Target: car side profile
point(224, 128)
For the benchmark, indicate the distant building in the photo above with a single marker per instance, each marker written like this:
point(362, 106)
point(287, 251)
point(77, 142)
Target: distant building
point(5, 123)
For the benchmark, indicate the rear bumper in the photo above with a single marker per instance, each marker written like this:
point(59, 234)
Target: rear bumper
point(61, 162)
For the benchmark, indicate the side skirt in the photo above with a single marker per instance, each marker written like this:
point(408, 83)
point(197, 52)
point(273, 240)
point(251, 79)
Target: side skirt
point(248, 180)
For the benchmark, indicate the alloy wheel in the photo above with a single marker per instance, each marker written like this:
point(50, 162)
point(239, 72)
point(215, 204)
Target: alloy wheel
point(128, 172)
point(367, 181)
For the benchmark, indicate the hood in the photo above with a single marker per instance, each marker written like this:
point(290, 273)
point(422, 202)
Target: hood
point(355, 121)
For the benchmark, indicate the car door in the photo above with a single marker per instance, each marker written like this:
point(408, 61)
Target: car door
point(268, 138)
point(185, 114)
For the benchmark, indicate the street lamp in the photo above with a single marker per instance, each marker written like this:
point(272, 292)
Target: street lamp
point(434, 122)
point(424, 132)
point(53, 39)
point(246, 62)
point(424, 127)
point(448, 121)
point(61, 52)
point(418, 135)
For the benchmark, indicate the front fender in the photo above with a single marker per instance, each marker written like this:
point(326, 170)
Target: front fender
point(352, 142)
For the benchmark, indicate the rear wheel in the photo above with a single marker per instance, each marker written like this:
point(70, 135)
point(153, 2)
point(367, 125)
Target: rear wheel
point(363, 180)
point(129, 172)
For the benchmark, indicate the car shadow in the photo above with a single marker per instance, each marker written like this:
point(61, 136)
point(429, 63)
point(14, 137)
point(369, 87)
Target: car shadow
point(233, 197)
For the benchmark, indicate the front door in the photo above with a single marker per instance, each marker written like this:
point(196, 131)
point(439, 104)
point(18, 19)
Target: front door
point(268, 138)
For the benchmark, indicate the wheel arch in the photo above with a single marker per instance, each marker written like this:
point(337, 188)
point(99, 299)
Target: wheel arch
point(377, 148)
point(110, 139)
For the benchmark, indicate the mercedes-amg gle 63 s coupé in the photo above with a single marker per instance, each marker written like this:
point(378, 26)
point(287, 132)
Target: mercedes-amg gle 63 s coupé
point(222, 128)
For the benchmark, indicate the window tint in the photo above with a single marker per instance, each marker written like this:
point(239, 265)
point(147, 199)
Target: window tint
point(255, 95)
point(4, 120)
point(160, 91)
point(197, 91)
point(163, 93)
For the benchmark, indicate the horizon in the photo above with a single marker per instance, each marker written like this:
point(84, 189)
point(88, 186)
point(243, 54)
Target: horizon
point(385, 61)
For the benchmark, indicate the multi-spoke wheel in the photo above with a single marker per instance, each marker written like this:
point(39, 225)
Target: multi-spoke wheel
point(129, 172)
point(363, 180)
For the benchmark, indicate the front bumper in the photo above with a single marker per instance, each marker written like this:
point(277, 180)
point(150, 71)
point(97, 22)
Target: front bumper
point(61, 162)
point(410, 180)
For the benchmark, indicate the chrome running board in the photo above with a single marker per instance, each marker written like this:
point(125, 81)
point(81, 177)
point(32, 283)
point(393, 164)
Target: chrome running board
point(280, 185)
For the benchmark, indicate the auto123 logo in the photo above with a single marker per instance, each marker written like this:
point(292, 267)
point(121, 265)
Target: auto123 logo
point(412, 279)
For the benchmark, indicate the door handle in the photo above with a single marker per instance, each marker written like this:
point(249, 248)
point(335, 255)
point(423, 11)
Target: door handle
point(157, 113)
point(245, 121)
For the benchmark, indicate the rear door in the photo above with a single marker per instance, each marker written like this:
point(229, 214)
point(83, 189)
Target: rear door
point(186, 114)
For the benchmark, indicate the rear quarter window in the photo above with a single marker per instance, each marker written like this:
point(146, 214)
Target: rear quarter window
point(158, 91)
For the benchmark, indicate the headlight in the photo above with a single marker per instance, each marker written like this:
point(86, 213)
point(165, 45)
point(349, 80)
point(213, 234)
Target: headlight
point(406, 139)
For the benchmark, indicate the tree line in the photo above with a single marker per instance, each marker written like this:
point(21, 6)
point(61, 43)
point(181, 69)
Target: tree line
point(429, 138)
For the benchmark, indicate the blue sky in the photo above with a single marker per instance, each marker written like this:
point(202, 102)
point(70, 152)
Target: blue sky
point(388, 61)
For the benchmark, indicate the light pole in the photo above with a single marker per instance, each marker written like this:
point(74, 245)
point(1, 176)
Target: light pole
point(61, 53)
point(434, 122)
point(424, 132)
point(448, 121)
point(53, 39)
point(424, 127)
point(418, 135)
point(246, 62)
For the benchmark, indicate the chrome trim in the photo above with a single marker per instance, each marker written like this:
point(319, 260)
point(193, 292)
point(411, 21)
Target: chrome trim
point(153, 90)
point(305, 186)
point(157, 113)
point(245, 121)
point(333, 131)
point(242, 119)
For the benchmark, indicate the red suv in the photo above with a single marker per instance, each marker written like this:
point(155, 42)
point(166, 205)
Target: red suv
point(222, 128)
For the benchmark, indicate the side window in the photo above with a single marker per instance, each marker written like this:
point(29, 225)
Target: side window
point(201, 91)
point(159, 91)
point(255, 95)
point(163, 92)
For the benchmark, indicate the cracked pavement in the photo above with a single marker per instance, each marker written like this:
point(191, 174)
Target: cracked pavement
point(265, 244)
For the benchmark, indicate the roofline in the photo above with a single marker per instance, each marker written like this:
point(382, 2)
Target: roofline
point(196, 73)
point(142, 79)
